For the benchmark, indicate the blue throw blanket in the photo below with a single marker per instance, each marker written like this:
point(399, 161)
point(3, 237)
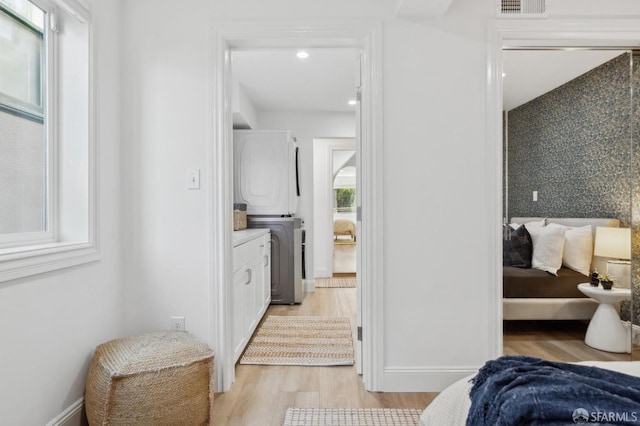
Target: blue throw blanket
point(519, 390)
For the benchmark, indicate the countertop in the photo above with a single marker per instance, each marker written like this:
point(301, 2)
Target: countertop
point(241, 237)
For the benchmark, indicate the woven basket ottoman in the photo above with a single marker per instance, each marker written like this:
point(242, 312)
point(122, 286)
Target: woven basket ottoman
point(163, 378)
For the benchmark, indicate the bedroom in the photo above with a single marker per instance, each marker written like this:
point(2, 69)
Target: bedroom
point(154, 112)
point(614, 194)
point(569, 147)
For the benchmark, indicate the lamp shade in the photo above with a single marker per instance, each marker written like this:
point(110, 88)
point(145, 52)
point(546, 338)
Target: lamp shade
point(613, 242)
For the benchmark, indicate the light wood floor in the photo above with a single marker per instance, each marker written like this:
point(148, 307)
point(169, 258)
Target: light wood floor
point(344, 258)
point(553, 340)
point(261, 394)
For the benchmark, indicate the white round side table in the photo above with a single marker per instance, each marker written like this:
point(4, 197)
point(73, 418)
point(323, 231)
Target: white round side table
point(606, 331)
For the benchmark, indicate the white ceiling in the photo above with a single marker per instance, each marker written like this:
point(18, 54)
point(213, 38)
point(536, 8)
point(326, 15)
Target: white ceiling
point(278, 80)
point(531, 73)
point(422, 8)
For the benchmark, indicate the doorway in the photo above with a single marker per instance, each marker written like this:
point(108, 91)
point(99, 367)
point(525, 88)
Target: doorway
point(554, 140)
point(335, 173)
point(525, 36)
point(344, 214)
point(250, 35)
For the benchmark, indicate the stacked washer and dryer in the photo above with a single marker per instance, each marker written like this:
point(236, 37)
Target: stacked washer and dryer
point(267, 180)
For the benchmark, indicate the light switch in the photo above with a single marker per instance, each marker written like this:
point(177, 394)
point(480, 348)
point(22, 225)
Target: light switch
point(193, 179)
point(535, 195)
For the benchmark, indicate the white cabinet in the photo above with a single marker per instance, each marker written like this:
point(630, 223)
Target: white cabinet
point(251, 287)
point(264, 293)
point(241, 278)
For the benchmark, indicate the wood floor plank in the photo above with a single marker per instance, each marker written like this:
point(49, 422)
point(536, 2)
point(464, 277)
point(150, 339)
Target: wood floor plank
point(262, 393)
point(553, 340)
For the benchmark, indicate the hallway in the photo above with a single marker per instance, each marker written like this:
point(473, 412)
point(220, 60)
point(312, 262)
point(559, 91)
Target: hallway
point(344, 256)
point(261, 394)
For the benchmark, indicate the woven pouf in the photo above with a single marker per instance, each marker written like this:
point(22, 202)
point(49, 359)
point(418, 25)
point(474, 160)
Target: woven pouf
point(163, 378)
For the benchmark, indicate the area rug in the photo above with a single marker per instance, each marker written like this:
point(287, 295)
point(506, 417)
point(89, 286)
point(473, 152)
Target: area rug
point(301, 340)
point(344, 242)
point(344, 282)
point(352, 417)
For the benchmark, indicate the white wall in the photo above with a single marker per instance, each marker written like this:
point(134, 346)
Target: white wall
point(306, 126)
point(434, 112)
point(244, 112)
point(165, 134)
point(54, 321)
point(435, 192)
point(434, 225)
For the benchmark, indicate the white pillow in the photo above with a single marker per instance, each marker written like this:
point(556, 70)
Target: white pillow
point(548, 246)
point(578, 249)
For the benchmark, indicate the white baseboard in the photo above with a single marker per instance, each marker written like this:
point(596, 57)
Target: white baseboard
point(420, 379)
point(72, 416)
point(322, 272)
point(309, 285)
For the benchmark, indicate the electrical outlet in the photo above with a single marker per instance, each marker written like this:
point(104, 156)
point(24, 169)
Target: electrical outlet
point(177, 324)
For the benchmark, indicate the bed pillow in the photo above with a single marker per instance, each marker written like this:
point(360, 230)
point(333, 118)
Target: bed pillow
point(517, 247)
point(578, 249)
point(548, 247)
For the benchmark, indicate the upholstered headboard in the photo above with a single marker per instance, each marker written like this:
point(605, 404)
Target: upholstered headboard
point(572, 221)
point(597, 262)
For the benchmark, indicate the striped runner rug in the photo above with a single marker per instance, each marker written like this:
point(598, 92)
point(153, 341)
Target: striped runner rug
point(301, 340)
point(339, 282)
point(352, 417)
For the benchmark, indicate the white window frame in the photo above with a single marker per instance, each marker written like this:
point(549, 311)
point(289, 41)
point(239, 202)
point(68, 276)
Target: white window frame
point(36, 254)
point(10, 103)
point(48, 235)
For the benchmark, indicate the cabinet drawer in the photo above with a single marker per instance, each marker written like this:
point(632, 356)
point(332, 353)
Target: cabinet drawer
point(245, 253)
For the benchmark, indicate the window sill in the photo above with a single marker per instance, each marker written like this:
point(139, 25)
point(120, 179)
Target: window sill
point(20, 262)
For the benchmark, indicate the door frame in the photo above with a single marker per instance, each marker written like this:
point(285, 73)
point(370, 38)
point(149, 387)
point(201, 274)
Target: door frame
point(532, 34)
point(323, 191)
point(365, 36)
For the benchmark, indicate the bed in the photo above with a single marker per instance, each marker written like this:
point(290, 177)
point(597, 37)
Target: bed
point(540, 291)
point(451, 406)
point(344, 227)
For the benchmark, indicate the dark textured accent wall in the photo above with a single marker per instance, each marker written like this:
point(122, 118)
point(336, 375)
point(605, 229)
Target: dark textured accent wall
point(635, 226)
point(573, 145)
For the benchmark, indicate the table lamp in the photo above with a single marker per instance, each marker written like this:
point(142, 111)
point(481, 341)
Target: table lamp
point(615, 243)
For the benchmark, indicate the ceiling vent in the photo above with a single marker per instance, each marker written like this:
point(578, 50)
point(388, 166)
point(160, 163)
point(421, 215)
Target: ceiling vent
point(522, 9)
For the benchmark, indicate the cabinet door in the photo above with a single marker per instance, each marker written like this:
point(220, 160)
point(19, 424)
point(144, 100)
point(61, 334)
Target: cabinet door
point(251, 288)
point(250, 315)
point(266, 274)
point(263, 286)
point(241, 279)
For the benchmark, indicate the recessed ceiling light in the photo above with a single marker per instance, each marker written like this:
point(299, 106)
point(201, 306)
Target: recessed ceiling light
point(302, 54)
point(352, 102)
point(504, 74)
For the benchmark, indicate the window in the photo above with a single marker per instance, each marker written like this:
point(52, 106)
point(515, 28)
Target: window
point(47, 183)
point(23, 141)
point(344, 186)
point(22, 57)
point(345, 200)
